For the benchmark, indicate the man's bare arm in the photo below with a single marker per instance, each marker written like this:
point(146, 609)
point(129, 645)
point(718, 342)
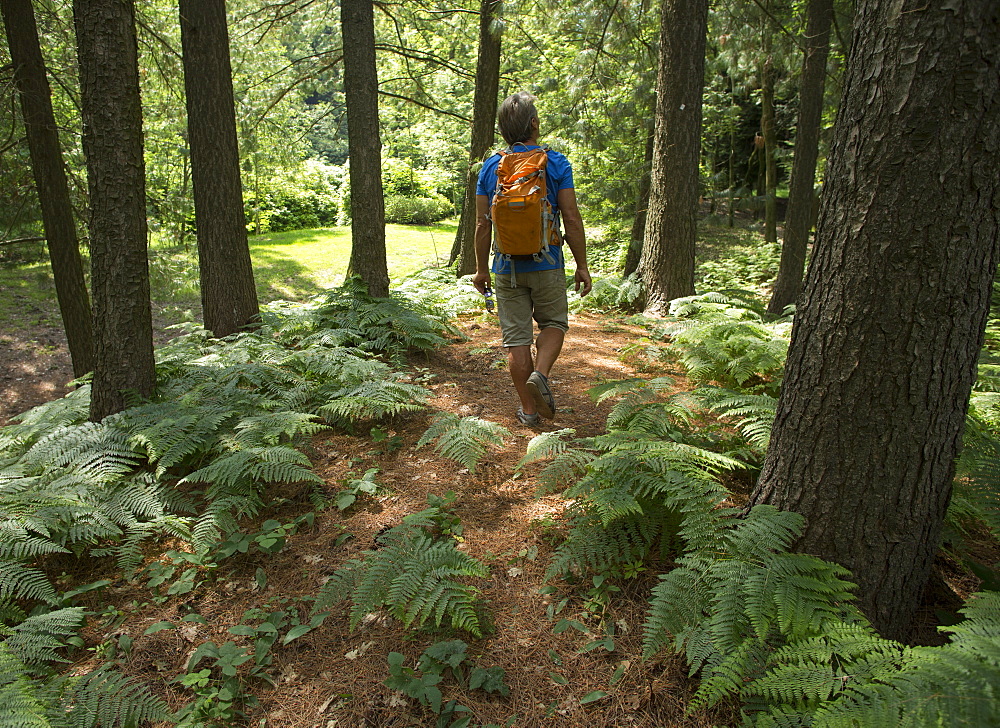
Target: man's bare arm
point(575, 237)
point(481, 280)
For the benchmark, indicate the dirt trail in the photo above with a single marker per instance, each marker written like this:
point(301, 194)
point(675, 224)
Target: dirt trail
point(332, 677)
point(507, 526)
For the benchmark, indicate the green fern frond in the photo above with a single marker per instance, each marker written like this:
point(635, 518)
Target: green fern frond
point(106, 698)
point(275, 428)
point(596, 547)
point(73, 409)
point(97, 451)
point(255, 465)
point(373, 400)
point(37, 640)
point(643, 389)
point(22, 707)
point(16, 544)
point(18, 581)
point(172, 433)
point(414, 577)
point(564, 469)
point(545, 446)
point(464, 440)
point(752, 414)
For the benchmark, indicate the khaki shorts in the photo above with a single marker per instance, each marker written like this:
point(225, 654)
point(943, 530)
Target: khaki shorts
point(540, 295)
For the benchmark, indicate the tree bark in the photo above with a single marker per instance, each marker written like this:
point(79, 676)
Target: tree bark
point(365, 147)
point(801, 187)
point(634, 252)
point(667, 265)
point(885, 342)
point(112, 142)
point(228, 295)
point(50, 181)
point(770, 149)
point(484, 111)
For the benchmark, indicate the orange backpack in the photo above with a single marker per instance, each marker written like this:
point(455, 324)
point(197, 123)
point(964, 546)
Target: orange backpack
point(523, 220)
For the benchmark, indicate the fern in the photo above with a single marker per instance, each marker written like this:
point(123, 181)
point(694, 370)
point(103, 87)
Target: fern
point(436, 289)
point(566, 463)
point(955, 684)
point(388, 326)
point(105, 698)
point(464, 440)
point(778, 630)
point(724, 339)
point(412, 575)
point(977, 481)
point(752, 414)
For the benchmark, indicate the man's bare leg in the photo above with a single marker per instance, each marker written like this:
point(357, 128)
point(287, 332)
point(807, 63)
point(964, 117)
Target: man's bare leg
point(548, 345)
point(521, 365)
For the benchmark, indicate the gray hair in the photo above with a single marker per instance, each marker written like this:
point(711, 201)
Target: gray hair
point(515, 115)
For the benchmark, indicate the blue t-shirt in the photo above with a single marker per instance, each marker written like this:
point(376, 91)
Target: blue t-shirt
point(559, 176)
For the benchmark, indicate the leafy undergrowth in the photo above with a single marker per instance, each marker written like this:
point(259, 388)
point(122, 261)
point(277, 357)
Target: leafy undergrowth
point(241, 635)
point(415, 567)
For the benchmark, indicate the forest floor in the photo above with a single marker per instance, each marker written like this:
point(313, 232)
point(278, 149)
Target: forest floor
point(332, 677)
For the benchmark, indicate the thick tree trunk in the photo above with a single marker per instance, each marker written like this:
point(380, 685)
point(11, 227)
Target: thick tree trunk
point(667, 265)
point(484, 111)
point(365, 147)
point(885, 343)
point(801, 187)
point(770, 152)
point(112, 141)
point(50, 181)
point(634, 252)
point(228, 296)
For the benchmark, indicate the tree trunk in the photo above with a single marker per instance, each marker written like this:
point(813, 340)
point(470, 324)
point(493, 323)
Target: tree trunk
point(50, 181)
point(634, 252)
point(770, 150)
point(885, 343)
point(228, 296)
point(667, 265)
point(112, 141)
point(801, 188)
point(484, 111)
point(365, 147)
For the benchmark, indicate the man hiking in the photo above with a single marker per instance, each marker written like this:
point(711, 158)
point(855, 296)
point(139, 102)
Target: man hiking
point(529, 286)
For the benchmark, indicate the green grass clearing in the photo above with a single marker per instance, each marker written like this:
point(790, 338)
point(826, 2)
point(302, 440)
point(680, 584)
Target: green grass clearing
point(297, 264)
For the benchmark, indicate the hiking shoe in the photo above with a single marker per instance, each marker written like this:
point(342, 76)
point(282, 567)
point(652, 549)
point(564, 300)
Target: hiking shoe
point(538, 385)
point(532, 420)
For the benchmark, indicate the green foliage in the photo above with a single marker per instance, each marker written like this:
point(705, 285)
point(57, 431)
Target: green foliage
point(955, 684)
point(640, 491)
point(438, 288)
point(226, 422)
point(357, 487)
point(310, 195)
point(413, 574)
point(778, 630)
point(750, 266)
point(441, 657)
point(611, 294)
point(417, 210)
point(349, 317)
point(463, 439)
point(751, 414)
point(976, 495)
point(33, 695)
point(723, 339)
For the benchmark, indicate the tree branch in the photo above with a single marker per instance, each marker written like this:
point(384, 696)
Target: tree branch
point(425, 106)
